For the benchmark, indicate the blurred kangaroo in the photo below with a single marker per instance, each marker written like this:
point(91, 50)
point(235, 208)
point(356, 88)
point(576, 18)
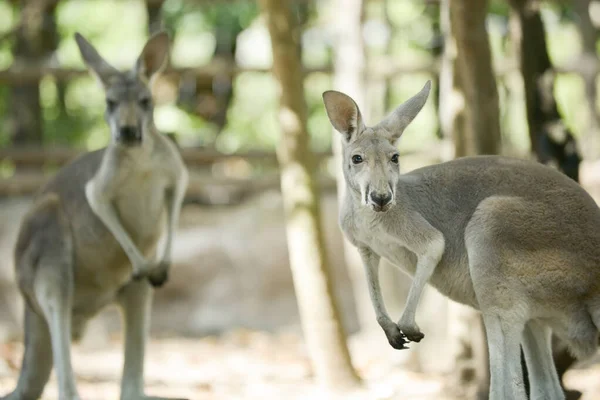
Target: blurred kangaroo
point(92, 234)
point(515, 239)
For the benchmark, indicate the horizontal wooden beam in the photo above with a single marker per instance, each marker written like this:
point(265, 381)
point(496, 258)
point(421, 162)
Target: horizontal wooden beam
point(38, 157)
point(211, 189)
point(35, 157)
point(202, 190)
point(23, 74)
point(386, 67)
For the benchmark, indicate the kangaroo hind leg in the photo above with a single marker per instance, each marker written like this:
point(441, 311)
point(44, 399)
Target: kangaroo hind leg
point(44, 257)
point(503, 304)
point(543, 378)
point(37, 358)
point(135, 302)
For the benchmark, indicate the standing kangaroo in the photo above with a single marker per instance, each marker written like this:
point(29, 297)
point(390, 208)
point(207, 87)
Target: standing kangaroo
point(515, 239)
point(94, 227)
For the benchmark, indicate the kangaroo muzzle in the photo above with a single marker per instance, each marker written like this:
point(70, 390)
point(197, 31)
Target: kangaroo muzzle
point(380, 202)
point(129, 135)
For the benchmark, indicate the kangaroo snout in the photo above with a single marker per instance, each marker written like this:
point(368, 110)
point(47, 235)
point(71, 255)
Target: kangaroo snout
point(380, 201)
point(130, 135)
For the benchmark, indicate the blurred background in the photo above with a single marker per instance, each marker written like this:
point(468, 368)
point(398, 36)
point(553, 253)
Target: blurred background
point(514, 77)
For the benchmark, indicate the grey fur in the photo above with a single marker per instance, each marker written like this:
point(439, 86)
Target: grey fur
point(513, 238)
point(94, 227)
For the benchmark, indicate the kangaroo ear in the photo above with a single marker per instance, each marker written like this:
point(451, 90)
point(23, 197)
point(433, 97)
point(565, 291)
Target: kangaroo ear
point(153, 57)
point(343, 114)
point(93, 60)
point(399, 119)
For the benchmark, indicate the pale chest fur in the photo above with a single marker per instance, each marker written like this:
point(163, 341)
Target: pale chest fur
point(383, 234)
point(363, 227)
point(137, 189)
point(140, 203)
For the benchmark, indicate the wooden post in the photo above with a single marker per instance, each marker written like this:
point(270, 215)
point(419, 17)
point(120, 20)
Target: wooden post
point(323, 331)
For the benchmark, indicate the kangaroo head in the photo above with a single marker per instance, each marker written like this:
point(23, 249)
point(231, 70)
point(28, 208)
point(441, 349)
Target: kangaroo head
point(129, 108)
point(370, 155)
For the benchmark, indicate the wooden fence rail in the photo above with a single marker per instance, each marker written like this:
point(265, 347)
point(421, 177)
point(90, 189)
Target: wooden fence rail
point(385, 67)
point(204, 187)
point(35, 157)
point(19, 74)
point(38, 157)
point(206, 190)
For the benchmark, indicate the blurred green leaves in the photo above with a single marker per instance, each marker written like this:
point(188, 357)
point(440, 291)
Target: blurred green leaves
point(73, 113)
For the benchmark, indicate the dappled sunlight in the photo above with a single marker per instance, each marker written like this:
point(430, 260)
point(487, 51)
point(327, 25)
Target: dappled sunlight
point(267, 298)
point(289, 120)
point(242, 364)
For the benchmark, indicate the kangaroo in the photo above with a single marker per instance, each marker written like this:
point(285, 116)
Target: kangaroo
point(515, 239)
point(91, 236)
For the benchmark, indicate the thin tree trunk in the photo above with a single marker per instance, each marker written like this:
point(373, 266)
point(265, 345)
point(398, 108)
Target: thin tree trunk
point(387, 102)
point(467, 18)
point(551, 141)
point(349, 68)
point(35, 41)
point(451, 98)
point(324, 334)
point(469, 113)
point(211, 100)
point(226, 32)
point(436, 46)
point(589, 59)
point(378, 89)
point(154, 11)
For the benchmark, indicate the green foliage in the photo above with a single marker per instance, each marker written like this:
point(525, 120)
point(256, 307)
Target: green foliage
point(7, 22)
point(499, 7)
point(238, 12)
point(318, 122)
point(253, 118)
point(73, 114)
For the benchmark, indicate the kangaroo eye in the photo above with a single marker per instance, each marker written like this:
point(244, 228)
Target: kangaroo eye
point(356, 159)
point(395, 158)
point(111, 105)
point(144, 103)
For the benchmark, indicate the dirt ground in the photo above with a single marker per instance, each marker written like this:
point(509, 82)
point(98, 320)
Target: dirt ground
point(252, 364)
point(239, 365)
point(249, 365)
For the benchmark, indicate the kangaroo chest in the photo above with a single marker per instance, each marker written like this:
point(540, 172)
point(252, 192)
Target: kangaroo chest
point(372, 232)
point(138, 195)
point(451, 276)
point(140, 204)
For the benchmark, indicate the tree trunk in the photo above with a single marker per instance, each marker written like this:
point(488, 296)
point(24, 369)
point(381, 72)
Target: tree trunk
point(154, 11)
point(478, 81)
point(551, 141)
point(451, 100)
point(436, 47)
point(349, 67)
point(469, 113)
point(378, 89)
point(36, 40)
point(226, 32)
point(589, 62)
point(324, 334)
point(212, 101)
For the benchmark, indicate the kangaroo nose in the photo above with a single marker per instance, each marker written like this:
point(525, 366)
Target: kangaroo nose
point(129, 134)
point(381, 199)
